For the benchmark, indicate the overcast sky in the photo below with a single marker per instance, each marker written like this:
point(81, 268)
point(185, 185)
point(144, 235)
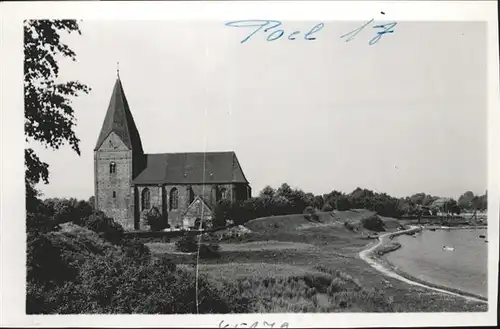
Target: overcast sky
point(405, 115)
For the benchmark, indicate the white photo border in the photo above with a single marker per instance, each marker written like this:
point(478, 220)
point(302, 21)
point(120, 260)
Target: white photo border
point(12, 193)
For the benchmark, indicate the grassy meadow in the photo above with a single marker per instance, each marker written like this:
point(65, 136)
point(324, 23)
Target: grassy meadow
point(292, 263)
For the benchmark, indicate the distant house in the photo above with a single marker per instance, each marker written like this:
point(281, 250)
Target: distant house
point(182, 187)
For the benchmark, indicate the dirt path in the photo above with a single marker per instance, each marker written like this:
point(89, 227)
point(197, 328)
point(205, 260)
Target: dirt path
point(366, 256)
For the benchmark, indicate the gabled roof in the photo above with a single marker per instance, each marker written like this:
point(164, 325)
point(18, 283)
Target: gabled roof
point(191, 168)
point(120, 121)
point(192, 204)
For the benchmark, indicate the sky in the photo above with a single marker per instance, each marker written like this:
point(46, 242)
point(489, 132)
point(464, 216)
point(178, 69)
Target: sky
point(405, 115)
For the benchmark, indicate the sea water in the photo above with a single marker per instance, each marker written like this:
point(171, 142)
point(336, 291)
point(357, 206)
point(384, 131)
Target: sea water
point(465, 268)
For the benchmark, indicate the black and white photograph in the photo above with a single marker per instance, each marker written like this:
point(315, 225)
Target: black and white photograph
point(250, 163)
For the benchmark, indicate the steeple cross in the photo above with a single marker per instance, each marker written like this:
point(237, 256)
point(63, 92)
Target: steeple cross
point(118, 69)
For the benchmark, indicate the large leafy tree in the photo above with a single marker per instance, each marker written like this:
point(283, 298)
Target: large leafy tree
point(284, 191)
point(465, 200)
point(268, 192)
point(49, 116)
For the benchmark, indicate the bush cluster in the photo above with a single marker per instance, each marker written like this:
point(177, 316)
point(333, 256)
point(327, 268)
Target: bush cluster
point(208, 251)
point(78, 261)
point(155, 220)
point(189, 243)
point(310, 214)
point(106, 227)
point(118, 285)
point(373, 223)
point(350, 226)
point(286, 201)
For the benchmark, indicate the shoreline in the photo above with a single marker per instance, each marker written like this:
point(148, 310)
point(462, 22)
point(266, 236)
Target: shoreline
point(369, 255)
point(438, 227)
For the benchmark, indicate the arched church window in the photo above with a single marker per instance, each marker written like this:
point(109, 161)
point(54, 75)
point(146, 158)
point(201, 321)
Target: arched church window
point(112, 168)
point(215, 195)
point(222, 194)
point(190, 194)
point(145, 199)
point(174, 198)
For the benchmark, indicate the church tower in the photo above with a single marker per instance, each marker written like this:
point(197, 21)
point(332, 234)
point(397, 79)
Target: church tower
point(118, 159)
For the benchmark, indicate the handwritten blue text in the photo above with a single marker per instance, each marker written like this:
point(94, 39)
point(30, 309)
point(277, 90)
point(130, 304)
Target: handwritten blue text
point(273, 30)
point(272, 25)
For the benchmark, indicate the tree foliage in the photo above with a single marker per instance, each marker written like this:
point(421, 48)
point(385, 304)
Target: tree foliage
point(49, 116)
point(222, 213)
point(83, 277)
point(469, 201)
point(286, 200)
point(155, 220)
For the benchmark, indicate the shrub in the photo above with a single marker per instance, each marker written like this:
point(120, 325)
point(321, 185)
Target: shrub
point(106, 227)
point(373, 223)
point(242, 212)
point(136, 250)
point(187, 243)
point(39, 222)
point(222, 213)
point(45, 261)
point(327, 207)
point(167, 262)
point(113, 285)
point(65, 210)
point(83, 209)
point(208, 251)
point(116, 283)
point(155, 220)
point(66, 298)
point(350, 226)
point(309, 210)
point(310, 214)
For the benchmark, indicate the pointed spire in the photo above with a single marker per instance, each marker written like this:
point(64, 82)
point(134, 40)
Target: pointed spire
point(118, 70)
point(120, 121)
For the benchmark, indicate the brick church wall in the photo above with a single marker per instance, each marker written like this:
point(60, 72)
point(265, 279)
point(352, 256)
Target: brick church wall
point(155, 195)
point(116, 205)
point(159, 197)
point(206, 191)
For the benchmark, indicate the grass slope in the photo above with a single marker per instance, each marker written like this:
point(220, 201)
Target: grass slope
point(274, 264)
point(288, 264)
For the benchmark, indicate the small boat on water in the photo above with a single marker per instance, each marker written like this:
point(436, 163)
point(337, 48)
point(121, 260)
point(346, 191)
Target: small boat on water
point(432, 229)
point(448, 248)
point(482, 236)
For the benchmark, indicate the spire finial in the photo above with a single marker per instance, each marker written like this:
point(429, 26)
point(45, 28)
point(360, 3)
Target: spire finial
point(118, 69)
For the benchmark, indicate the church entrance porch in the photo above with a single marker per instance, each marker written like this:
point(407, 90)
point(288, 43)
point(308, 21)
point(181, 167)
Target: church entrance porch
point(198, 213)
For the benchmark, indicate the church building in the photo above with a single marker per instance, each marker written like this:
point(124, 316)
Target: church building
point(182, 188)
